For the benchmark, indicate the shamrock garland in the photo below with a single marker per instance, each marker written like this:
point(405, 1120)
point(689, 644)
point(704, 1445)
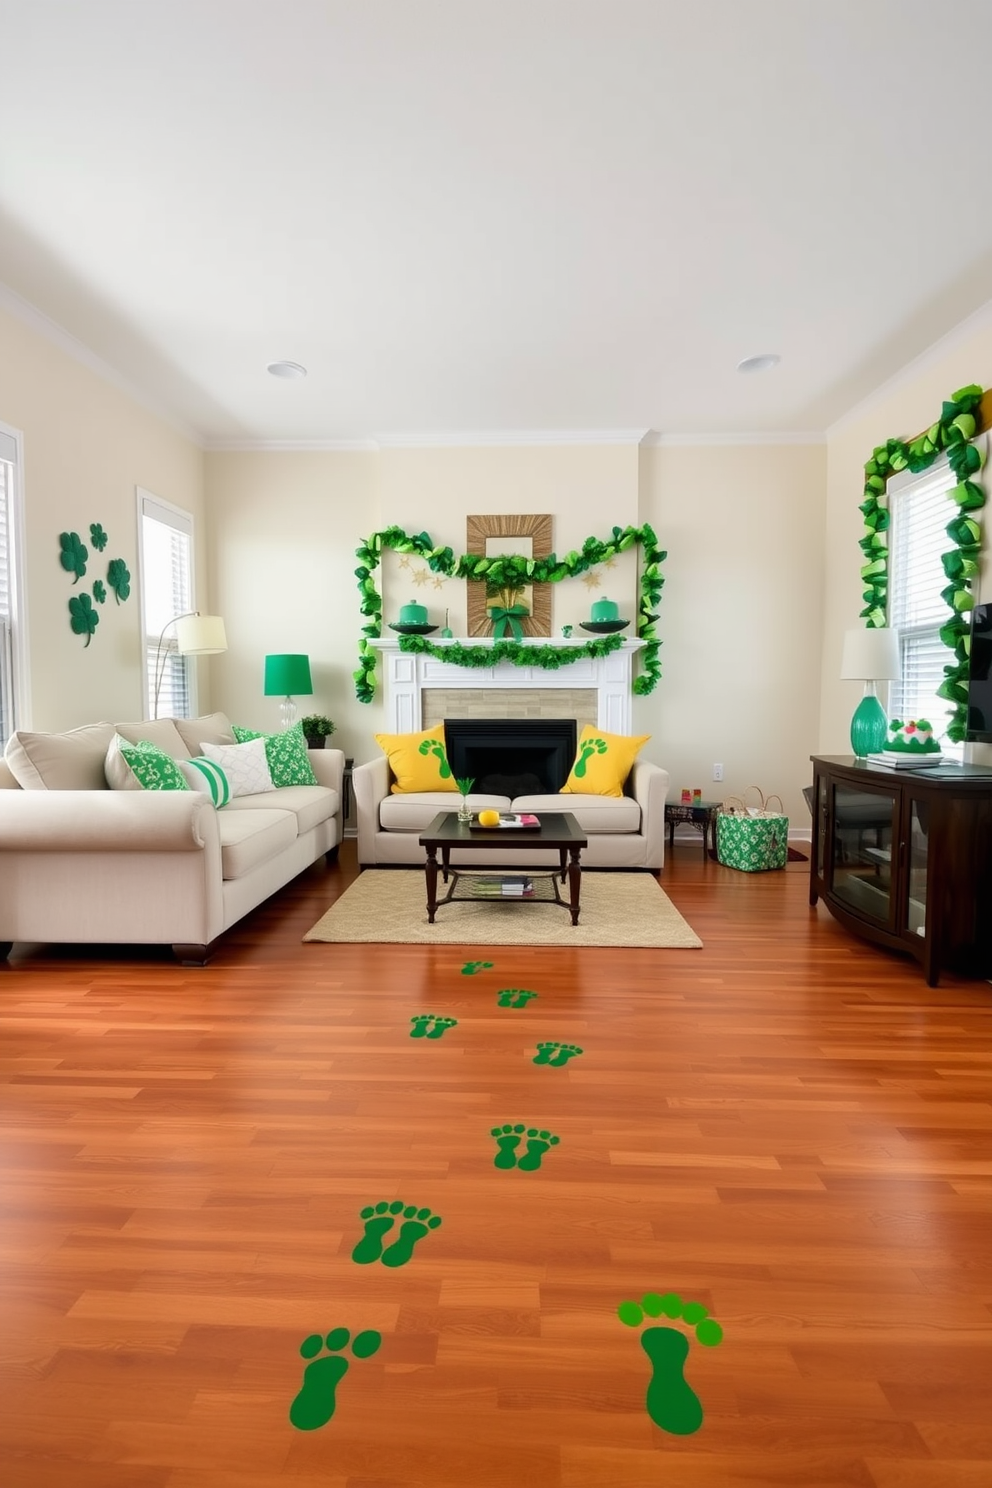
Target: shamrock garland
point(511, 571)
point(953, 432)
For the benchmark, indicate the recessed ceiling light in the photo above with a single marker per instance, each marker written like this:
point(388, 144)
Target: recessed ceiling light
point(762, 363)
point(286, 369)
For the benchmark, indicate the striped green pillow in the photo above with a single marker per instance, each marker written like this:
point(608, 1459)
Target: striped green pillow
point(206, 775)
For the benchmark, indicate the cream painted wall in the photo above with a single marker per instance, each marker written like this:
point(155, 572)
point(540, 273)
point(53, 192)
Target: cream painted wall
point(901, 410)
point(283, 531)
point(86, 446)
point(284, 528)
point(588, 490)
point(740, 616)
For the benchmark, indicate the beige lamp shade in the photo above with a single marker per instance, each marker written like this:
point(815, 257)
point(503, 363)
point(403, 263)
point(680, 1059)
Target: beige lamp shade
point(871, 655)
point(200, 635)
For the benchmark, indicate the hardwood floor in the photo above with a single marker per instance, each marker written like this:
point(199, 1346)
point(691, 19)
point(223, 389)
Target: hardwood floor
point(787, 1126)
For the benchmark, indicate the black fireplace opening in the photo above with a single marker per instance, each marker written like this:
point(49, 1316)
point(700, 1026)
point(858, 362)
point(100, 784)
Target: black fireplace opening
point(511, 756)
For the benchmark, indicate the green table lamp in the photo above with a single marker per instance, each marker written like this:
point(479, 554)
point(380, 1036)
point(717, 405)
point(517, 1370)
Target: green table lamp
point(870, 655)
point(287, 676)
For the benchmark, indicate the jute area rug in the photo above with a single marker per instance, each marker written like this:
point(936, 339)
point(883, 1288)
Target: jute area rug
point(617, 909)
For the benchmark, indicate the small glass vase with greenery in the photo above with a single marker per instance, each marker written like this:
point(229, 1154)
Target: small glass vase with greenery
point(464, 786)
point(316, 728)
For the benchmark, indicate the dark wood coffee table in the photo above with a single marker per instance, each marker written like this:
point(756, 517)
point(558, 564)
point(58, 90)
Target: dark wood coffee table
point(558, 829)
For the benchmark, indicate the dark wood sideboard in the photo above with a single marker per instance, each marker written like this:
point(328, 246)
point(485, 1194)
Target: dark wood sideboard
point(904, 859)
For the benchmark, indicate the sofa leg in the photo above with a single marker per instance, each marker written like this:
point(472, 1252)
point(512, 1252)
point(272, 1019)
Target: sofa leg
point(330, 858)
point(191, 955)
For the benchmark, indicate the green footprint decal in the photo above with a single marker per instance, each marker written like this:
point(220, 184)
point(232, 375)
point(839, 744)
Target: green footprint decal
point(555, 1054)
point(514, 997)
point(671, 1403)
point(316, 1402)
point(508, 1139)
point(472, 967)
point(435, 747)
point(380, 1219)
point(429, 1025)
point(589, 748)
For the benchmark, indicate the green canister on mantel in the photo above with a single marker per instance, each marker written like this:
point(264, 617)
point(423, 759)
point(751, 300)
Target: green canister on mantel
point(414, 614)
point(605, 609)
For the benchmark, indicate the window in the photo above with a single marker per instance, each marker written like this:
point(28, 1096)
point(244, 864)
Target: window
point(13, 672)
point(920, 511)
point(166, 559)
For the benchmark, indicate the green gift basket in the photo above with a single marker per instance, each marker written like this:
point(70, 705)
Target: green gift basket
point(752, 839)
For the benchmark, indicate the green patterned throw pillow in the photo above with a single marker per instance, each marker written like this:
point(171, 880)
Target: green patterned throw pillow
point(150, 766)
point(286, 752)
point(206, 776)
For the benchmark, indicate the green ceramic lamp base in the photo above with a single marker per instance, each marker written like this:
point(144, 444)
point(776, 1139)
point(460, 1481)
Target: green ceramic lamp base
point(869, 725)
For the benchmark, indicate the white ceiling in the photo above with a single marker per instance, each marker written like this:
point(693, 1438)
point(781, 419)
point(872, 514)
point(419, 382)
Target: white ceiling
point(490, 215)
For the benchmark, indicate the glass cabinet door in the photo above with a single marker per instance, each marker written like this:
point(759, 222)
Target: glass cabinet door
point(820, 812)
point(916, 903)
point(862, 867)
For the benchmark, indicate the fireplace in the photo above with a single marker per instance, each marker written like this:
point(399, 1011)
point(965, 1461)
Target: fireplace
point(511, 756)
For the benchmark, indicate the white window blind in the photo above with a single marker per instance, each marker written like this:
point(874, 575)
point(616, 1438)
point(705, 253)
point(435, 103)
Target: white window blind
point(8, 459)
point(166, 591)
point(920, 511)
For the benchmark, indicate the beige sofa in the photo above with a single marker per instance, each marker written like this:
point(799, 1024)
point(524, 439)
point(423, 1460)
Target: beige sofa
point(624, 832)
point(82, 863)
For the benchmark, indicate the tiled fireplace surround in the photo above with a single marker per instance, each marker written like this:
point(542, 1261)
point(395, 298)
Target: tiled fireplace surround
point(421, 691)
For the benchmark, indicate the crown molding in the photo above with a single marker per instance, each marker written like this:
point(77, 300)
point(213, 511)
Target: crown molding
point(57, 335)
point(289, 446)
point(978, 320)
point(500, 438)
point(655, 440)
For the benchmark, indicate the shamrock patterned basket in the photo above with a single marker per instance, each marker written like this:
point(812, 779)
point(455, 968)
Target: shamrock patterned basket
point(752, 838)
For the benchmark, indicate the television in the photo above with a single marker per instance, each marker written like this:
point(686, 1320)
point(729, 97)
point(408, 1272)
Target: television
point(979, 723)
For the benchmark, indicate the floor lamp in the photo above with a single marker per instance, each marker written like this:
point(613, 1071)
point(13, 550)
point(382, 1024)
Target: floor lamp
point(196, 635)
point(870, 655)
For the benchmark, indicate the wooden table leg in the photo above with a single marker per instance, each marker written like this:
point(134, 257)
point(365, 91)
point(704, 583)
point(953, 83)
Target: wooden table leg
point(574, 882)
point(562, 855)
point(430, 867)
point(445, 863)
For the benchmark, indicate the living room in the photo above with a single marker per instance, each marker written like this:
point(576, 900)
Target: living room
point(864, 1331)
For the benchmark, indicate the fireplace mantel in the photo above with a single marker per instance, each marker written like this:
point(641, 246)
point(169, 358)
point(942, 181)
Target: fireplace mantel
point(407, 674)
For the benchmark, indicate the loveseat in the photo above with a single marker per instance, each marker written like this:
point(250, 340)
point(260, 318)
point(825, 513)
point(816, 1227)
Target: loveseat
point(80, 862)
point(624, 832)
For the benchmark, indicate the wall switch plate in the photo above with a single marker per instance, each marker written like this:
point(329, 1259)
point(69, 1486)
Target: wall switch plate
point(717, 772)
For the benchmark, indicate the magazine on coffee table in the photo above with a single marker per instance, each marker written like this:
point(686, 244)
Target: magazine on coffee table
point(510, 819)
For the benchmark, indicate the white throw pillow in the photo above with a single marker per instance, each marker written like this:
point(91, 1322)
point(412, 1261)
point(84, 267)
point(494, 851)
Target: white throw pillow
point(207, 777)
point(245, 765)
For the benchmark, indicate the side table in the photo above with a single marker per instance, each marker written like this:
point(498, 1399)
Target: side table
point(701, 814)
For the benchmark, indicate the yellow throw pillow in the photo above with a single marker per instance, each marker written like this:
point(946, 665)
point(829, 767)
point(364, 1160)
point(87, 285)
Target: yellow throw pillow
point(418, 761)
point(602, 762)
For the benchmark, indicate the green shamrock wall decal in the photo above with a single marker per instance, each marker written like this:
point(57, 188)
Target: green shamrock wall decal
point(98, 537)
point(83, 617)
point(119, 578)
point(74, 554)
point(99, 591)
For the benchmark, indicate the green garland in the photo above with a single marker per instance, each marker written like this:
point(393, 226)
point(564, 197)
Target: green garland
point(511, 571)
point(954, 430)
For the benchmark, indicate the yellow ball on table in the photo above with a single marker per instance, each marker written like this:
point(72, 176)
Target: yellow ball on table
point(488, 818)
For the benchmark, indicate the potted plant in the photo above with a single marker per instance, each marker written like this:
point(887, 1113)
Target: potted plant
point(316, 729)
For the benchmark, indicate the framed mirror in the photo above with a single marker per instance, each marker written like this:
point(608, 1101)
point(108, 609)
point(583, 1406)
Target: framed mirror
point(492, 537)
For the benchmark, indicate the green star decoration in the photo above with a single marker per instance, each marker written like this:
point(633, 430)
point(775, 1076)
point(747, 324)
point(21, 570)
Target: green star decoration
point(98, 537)
point(511, 572)
point(119, 578)
point(83, 617)
point(73, 555)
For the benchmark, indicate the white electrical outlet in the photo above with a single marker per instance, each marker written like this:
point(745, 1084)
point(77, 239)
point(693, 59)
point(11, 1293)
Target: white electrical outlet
point(717, 772)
